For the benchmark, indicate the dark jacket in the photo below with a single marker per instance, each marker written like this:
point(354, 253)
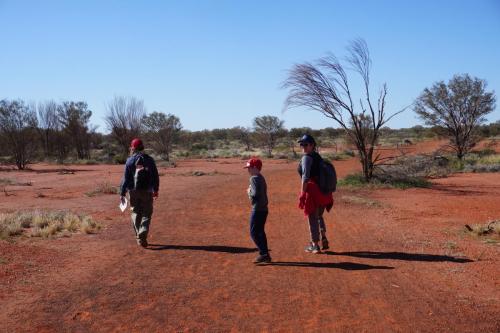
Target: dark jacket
point(127, 183)
point(258, 193)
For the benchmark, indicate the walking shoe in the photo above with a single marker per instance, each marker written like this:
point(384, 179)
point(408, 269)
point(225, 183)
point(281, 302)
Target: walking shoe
point(324, 244)
point(142, 242)
point(262, 258)
point(313, 249)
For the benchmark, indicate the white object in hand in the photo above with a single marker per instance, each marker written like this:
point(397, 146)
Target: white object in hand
point(123, 204)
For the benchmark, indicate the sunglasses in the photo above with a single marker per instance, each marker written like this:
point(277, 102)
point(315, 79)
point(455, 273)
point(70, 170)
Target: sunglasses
point(304, 144)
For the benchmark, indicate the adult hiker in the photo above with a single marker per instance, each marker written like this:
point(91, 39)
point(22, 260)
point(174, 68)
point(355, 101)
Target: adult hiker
point(142, 182)
point(311, 199)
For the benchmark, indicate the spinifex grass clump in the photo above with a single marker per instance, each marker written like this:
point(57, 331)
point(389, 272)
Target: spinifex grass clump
point(102, 188)
point(45, 224)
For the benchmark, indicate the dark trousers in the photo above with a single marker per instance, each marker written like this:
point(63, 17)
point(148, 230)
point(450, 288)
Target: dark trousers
point(257, 223)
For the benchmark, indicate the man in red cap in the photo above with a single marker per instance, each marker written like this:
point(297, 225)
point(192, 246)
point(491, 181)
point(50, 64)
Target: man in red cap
point(142, 182)
point(257, 193)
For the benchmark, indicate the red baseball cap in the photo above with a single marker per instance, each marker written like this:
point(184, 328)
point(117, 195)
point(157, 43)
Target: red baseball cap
point(254, 163)
point(137, 144)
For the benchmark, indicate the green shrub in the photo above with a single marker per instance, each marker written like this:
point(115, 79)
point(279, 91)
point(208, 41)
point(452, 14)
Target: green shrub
point(358, 180)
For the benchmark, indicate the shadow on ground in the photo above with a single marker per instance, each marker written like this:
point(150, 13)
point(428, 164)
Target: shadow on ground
point(349, 266)
point(208, 248)
point(401, 256)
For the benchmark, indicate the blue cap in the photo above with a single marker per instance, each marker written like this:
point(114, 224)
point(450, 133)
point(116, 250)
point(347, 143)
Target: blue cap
point(307, 138)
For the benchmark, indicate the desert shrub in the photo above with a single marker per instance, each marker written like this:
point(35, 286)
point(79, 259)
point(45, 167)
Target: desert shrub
point(411, 171)
point(102, 188)
point(118, 159)
point(44, 223)
point(491, 228)
point(486, 152)
point(477, 162)
point(86, 162)
point(167, 164)
point(8, 181)
point(383, 180)
point(352, 180)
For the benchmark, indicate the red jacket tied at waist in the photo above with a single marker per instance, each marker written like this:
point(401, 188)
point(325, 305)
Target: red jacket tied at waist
point(314, 199)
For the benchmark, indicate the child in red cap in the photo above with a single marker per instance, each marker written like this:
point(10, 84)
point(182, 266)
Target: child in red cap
point(257, 193)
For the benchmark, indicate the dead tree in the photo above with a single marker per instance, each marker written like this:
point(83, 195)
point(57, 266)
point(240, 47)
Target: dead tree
point(324, 87)
point(124, 120)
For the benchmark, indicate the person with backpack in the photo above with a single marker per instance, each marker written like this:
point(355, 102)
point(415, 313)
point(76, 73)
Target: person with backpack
point(313, 198)
point(142, 182)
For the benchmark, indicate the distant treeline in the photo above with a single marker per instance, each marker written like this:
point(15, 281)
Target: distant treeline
point(62, 133)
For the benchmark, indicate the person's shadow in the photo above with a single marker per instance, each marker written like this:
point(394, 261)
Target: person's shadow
point(401, 256)
point(208, 248)
point(348, 266)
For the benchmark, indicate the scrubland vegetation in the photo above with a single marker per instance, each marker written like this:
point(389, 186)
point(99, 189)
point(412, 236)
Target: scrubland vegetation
point(45, 224)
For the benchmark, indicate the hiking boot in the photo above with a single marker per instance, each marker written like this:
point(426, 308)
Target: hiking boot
point(324, 244)
point(262, 259)
point(313, 249)
point(142, 242)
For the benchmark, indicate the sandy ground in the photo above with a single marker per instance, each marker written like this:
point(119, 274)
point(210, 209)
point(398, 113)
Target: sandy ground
point(399, 259)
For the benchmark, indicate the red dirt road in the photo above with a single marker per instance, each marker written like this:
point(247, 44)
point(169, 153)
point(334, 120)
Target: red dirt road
point(399, 261)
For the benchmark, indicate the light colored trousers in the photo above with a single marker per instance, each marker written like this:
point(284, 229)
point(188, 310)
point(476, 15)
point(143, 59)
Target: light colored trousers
point(141, 205)
point(317, 225)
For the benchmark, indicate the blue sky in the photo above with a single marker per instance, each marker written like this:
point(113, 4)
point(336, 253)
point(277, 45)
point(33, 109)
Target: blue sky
point(218, 64)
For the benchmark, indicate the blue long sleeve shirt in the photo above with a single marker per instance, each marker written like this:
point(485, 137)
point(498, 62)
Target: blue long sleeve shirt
point(127, 183)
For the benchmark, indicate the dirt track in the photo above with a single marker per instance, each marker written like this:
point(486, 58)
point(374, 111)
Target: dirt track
point(399, 261)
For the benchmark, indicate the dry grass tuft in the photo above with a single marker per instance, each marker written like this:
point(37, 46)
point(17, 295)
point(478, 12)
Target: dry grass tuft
point(45, 224)
point(103, 188)
point(13, 182)
point(492, 228)
point(490, 232)
point(352, 199)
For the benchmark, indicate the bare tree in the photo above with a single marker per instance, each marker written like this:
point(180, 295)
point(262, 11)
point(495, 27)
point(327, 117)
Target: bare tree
point(324, 87)
point(17, 127)
point(124, 120)
point(458, 108)
point(162, 129)
point(268, 129)
point(47, 124)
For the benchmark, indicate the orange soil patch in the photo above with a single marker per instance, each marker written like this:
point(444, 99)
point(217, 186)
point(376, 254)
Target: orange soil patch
point(403, 265)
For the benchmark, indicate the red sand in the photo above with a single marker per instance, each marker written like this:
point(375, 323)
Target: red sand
point(403, 265)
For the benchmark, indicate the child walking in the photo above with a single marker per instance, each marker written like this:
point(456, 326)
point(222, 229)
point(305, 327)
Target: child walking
point(257, 193)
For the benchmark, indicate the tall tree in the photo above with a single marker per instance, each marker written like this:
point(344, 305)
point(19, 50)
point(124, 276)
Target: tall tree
point(162, 129)
point(74, 118)
point(458, 108)
point(124, 120)
point(268, 129)
point(243, 135)
point(324, 87)
point(17, 127)
point(47, 124)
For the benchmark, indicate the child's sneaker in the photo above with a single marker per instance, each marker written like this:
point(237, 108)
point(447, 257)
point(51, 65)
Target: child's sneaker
point(313, 249)
point(324, 244)
point(262, 258)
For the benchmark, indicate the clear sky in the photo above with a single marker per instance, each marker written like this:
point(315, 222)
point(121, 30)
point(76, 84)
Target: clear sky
point(218, 64)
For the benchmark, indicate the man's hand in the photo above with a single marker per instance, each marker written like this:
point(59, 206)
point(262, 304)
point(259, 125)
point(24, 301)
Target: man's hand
point(302, 200)
point(155, 195)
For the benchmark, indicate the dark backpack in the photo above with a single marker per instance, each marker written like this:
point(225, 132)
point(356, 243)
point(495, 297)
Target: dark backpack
point(327, 177)
point(142, 176)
